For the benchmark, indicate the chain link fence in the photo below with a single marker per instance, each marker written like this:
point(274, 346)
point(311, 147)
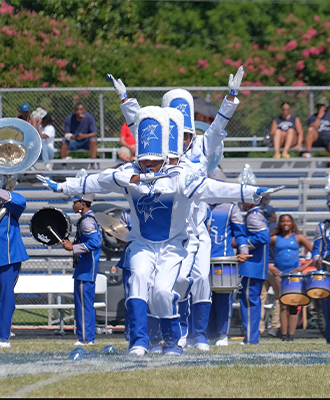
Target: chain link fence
point(258, 107)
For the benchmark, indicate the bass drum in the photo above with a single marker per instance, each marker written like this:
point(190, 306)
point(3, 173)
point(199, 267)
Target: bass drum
point(56, 219)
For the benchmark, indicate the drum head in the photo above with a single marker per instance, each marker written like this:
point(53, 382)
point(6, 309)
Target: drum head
point(318, 293)
point(53, 217)
point(295, 299)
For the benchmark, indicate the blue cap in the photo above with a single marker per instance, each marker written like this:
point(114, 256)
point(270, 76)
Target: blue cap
point(24, 107)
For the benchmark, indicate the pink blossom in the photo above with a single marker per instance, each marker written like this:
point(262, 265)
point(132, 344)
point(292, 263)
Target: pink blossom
point(290, 45)
point(141, 40)
point(256, 59)
point(311, 32)
point(313, 50)
point(227, 61)
point(31, 40)
point(67, 28)
point(52, 22)
point(230, 44)
point(301, 75)
point(245, 91)
point(85, 93)
point(216, 73)
point(73, 65)
point(181, 70)
point(322, 48)
point(321, 68)
point(316, 18)
point(68, 42)
point(2, 65)
point(53, 85)
point(76, 97)
point(45, 84)
point(278, 31)
point(305, 53)
point(251, 67)
point(56, 31)
point(43, 35)
point(268, 71)
point(69, 79)
point(62, 63)
point(238, 45)
point(37, 59)
point(328, 40)
point(178, 51)
point(279, 57)
point(273, 48)
point(25, 32)
point(237, 64)
point(203, 63)
point(255, 46)
point(300, 65)
point(327, 24)
point(8, 31)
point(6, 8)
point(158, 46)
point(281, 79)
point(155, 70)
point(298, 83)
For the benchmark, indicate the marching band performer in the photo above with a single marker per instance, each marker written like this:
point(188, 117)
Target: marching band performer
point(160, 198)
point(12, 253)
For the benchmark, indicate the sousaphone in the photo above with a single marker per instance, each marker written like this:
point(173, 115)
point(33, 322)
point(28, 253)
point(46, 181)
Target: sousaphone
point(20, 147)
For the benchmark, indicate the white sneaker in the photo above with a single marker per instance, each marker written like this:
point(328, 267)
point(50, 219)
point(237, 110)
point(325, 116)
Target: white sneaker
point(5, 344)
point(138, 351)
point(202, 346)
point(79, 343)
point(243, 344)
point(48, 166)
point(12, 334)
point(222, 342)
point(182, 342)
point(67, 158)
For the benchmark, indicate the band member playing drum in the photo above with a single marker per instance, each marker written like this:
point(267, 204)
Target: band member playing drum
point(287, 239)
point(224, 223)
point(12, 253)
point(320, 253)
point(86, 250)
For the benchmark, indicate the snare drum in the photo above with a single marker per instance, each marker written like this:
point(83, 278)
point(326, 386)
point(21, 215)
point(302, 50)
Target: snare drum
point(50, 216)
point(293, 289)
point(223, 275)
point(318, 284)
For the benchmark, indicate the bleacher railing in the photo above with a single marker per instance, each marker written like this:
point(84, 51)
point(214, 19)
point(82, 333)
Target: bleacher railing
point(249, 125)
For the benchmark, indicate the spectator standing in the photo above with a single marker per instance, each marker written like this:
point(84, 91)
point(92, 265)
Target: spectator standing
point(24, 112)
point(286, 240)
point(270, 215)
point(254, 271)
point(80, 133)
point(286, 131)
point(127, 150)
point(46, 131)
point(318, 133)
point(86, 250)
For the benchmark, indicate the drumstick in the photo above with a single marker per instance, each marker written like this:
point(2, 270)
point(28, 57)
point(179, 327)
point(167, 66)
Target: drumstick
point(54, 233)
point(325, 262)
point(246, 255)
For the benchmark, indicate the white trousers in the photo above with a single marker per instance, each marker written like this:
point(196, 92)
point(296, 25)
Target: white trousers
point(155, 268)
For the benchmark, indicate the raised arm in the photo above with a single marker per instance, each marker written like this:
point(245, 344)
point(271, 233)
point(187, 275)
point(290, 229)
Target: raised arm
point(13, 202)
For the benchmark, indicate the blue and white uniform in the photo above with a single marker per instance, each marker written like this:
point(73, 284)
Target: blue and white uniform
point(321, 248)
point(87, 246)
point(195, 267)
point(158, 239)
point(254, 271)
point(12, 253)
point(224, 222)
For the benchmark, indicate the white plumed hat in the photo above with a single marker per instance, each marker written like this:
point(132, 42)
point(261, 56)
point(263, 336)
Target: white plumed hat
point(182, 100)
point(151, 127)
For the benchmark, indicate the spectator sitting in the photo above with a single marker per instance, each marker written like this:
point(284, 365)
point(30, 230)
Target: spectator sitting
point(286, 131)
point(44, 125)
point(24, 112)
point(318, 133)
point(127, 150)
point(80, 133)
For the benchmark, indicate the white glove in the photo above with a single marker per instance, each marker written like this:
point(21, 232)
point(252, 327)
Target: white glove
point(119, 87)
point(265, 191)
point(50, 184)
point(235, 82)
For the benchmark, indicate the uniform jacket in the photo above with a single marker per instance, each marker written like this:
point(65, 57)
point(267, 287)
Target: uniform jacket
point(12, 249)
point(321, 245)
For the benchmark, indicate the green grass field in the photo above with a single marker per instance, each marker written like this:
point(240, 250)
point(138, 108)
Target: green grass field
point(272, 369)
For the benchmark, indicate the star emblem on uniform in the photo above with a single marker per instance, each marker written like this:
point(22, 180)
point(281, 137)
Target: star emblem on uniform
point(148, 133)
point(149, 203)
point(182, 107)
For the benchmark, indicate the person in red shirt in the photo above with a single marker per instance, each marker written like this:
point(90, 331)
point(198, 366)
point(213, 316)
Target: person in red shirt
point(127, 141)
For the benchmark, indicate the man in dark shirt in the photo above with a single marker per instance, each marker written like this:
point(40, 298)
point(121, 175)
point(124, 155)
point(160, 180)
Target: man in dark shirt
point(318, 134)
point(80, 132)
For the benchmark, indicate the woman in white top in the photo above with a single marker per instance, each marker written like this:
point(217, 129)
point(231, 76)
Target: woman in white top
point(47, 133)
